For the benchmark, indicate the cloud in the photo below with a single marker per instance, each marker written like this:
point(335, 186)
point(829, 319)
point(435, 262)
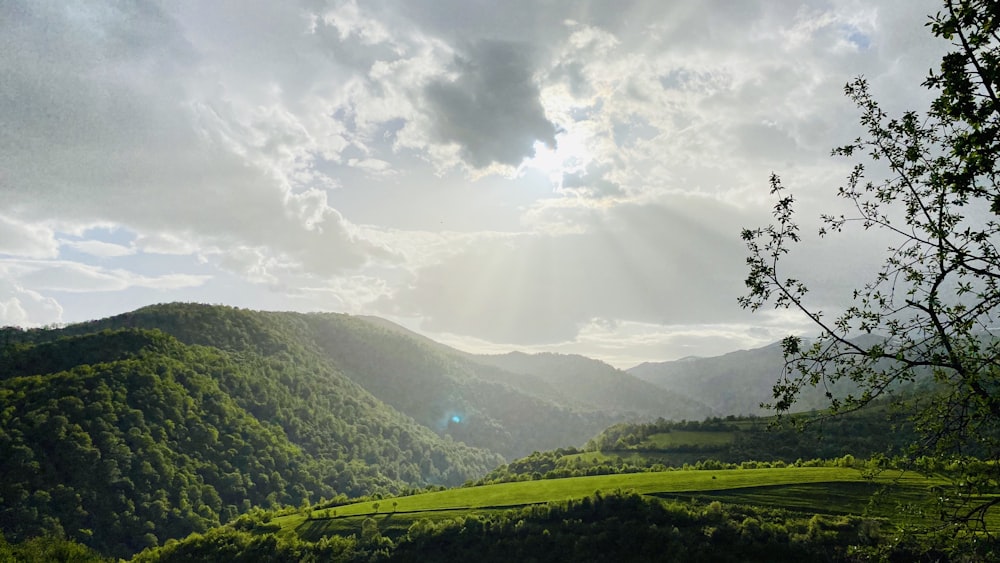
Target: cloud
point(343, 155)
point(491, 108)
point(633, 262)
point(75, 277)
point(25, 307)
point(591, 182)
point(164, 243)
point(131, 118)
point(27, 240)
point(98, 248)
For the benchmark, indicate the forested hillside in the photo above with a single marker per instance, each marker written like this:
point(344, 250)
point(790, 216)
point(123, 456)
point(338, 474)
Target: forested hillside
point(596, 385)
point(743, 441)
point(448, 393)
point(124, 432)
point(735, 383)
point(514, 403)
point(122, 438)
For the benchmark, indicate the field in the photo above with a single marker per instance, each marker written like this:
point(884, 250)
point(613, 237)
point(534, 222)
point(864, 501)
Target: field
point(832, 490)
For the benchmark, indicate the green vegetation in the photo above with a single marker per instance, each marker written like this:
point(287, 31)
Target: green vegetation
point(593, 384)
point(120, 439)
point(741, 441)
point(523, 520)
point(48, 548)
point(535, 492)
point(248, 432)
point(682, 438)
point(924, 185)
point(505, 412)
point(129, 431)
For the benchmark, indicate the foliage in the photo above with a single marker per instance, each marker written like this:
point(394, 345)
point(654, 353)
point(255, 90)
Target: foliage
point(661, 444)
point(596, 385)
point(45, 549)
point(714, 477)
point(120, 439)
point(603, 526)
point(421, 379)
point(433, 384)
point(933, 304)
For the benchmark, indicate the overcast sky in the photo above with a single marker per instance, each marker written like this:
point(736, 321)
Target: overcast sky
point(537, 175)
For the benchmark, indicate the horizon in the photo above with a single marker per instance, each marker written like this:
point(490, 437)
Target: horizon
point(564, 178)
point(485, 352)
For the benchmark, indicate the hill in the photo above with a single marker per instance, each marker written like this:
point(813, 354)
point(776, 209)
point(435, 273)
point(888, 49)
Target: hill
point(636, 517)
point(583, 383)
point(745, 441)
point(184, 416)
point(732, 384)
point(446, 391)
point(594, 384)
point(121, 438)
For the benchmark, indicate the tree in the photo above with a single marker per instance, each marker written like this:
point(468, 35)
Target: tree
point(931, 309)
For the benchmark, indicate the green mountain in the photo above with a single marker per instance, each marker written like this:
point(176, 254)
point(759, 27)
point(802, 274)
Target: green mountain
point(123, 432)
point(445, 391)
point(119, 435)
point(593, 384)
point(732, 384)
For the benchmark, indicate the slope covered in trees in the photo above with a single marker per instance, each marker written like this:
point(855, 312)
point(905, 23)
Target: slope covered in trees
point(514, 403)
point(448, 393)
point(123, 432)
point(123, 438)
point(596, 385)
point(736, 383)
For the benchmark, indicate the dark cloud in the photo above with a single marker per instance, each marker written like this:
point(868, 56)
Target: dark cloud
point(492, 109)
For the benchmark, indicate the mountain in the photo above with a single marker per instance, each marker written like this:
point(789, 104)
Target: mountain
point(121, 435)
point(732, 384)
point(572, 379)
point(126, 431)
point(512, 404)
point(594, 384)
point(444, 390)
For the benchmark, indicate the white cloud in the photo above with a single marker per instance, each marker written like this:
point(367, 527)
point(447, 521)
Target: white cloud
point(27, 240)
point(98, 248)
point(391, 156)
point(165, 243)
point(631, 262)
point(25, 307)
point(76, 277)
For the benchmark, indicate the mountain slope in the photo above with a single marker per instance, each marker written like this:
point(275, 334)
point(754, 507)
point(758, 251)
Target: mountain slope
point(597, 385)
point(735, 383)
point(447, 392)
point(121, 438)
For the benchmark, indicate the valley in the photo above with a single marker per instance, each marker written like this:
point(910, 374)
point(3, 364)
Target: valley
point(178, 421)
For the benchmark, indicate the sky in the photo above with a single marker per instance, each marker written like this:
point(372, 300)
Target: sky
point(545, 175)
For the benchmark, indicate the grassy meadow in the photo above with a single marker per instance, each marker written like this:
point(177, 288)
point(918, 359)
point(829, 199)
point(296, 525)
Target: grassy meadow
point(832, 490)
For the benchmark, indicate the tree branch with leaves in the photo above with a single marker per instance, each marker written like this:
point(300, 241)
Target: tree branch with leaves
point(928, 315)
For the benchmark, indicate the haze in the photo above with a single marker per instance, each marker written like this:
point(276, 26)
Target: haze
point(543, 176)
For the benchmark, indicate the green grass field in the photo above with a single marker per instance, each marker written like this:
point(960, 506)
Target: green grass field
point(815, 489)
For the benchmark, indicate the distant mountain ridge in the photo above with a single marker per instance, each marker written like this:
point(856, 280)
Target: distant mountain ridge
point(597, 385)
point(738, 382)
